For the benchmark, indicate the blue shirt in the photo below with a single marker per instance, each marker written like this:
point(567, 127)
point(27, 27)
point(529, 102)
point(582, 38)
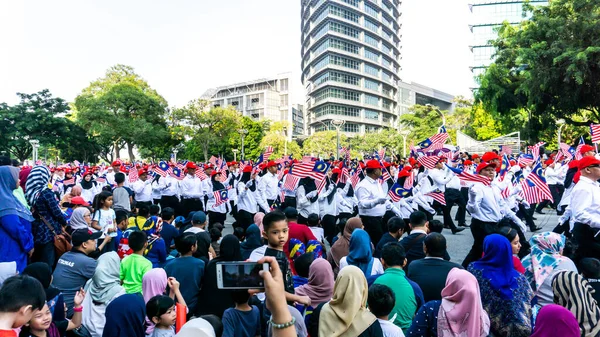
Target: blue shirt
point(157, 253)
point(168, 233)
point(189, 271)
point(237, 323)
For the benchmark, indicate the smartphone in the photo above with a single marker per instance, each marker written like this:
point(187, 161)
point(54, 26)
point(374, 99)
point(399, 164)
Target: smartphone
point(240, 275)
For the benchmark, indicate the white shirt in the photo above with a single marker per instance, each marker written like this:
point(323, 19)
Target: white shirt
point(553, 176)
point(143, 190)
point(368, 191)
point(454, 183)
point(194, 230)
point(441, 178)
point(93, 315)
point(304, 205)
point(484, 203)
point(168, 186)
point(191, 187)
point(585, 202)
point(326, 208)
point(390, 329)
point(269, 185)
point(376, 269)
point(247, 198)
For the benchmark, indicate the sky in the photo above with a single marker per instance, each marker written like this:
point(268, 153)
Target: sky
point(184, 47)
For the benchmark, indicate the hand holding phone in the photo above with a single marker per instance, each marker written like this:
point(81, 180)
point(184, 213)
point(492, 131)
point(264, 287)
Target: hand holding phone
point(240, 275)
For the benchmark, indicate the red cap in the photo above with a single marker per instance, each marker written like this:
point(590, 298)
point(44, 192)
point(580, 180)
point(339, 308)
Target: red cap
point(574, 164)
point(270, 164)
point(373, 164)
point(489, 156)
point(386, 164)
point(336, 170)
point(191, 165)
point(407, 168)
point(588, 161)
point(247, 168)
point(214, 173)
point(78, 201)
point(362, 165)
point(468, 162)
point(403, 173)
point(586, 148)
point(475, 156)
point(142, 171)
point(513, 162)
point(116, 163)
point(549, 162)
point(88, 172)
point(412, 161)
point(484, 165)
point(208, 166)
point(232, 163)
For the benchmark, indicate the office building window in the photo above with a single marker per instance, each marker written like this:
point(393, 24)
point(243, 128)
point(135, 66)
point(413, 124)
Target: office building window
point(371, 85)
point(351, 2)
point(371, 100)
point(386, 62)
point(372, 26)
point(386, 49)
point(321, 31)
point(343, 45)
point(371, 10)
point(336, 109)
point(386, 76)
point(343, 29)
point(371, 41)
point(371, 55)
point(283, 84)
point(386, 104)
point(343, 13)
point(371, 128)
point(321, 48)
point(337, 76)
point(345, 62)
point(283, 100)
point(371, 70)
point(370, 114)
point(322, 14)
point(321, 63)
point(351, 127)
point(337, 93)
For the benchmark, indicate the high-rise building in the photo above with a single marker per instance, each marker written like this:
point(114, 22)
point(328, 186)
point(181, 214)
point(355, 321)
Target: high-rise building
point(262, 99)
point(488, 16)
point(350, 63)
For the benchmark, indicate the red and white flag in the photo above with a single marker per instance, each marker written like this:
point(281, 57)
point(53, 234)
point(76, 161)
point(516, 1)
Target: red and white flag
point(437, 196)
point(595, 132)
point(428, 161)
point(133, 175)
point(268, 153)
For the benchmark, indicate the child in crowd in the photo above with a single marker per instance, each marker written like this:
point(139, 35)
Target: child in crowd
point(161, 311)
point(134, 266)
point(239, 233)
point(121, 217)
point(395, 231)
point(314, 223)
point(20, 296)
point(436, 226)
point(590, 270)
point(215, 239)
point(302, 265)
point(104, 218)
point(41, 323)
point(121, 196)
point(244, 319)
point(381, 301)
point(155, 211)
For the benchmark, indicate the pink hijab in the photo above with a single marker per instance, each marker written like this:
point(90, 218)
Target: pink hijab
point(320, 283)
point(461, 312)
point(258, 219)
point(154, 283)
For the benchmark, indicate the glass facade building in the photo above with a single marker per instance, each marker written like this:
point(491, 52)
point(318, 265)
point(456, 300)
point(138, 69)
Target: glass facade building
point(488, 16)
point(350, 63)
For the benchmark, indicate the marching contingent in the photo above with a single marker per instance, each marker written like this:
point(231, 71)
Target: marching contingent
point(353, 246)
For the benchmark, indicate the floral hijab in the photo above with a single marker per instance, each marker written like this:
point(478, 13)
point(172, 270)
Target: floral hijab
point(545, 256)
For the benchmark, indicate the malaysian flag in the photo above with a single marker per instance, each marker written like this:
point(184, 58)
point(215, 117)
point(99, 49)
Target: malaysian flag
point(213, 160)
point(344, 175)
point(595, 132)
point(162, 169)
point(290, 182)
point(537, 177)
point(505, 150)
point(172, 160)
point(133, 175)
point(529, 192)
point(308, 159)
point(505, 192)
point(268, 153)
point(180, 165)
point(221, 197)
point(101, 179)
point(398, 192)
point(469, 177)
point(437, 196)
point(242, 164)
point(317, 170)
point(200, 173)
point(565, 152)
point(535, 150)
point(525, 160)
point(428, 161)
point(355, 178)
point(176, 173)
point(504, 166)
point(345, 151)
point(76, 163)
point(381, 153)
point(578, 154)
point(410, 180)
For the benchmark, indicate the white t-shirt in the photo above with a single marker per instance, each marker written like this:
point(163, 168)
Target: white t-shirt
point(106, 220)
point(318, 233)
point(377, 268)
point(389, 329)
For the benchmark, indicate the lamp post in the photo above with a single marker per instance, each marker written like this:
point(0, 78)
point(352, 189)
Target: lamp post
point(433, 107)
point(338, 123)
point(560, 123)
point(175, 151)
point(235, 151)
point(404, 134)
point(35, 144)
point(243, 133)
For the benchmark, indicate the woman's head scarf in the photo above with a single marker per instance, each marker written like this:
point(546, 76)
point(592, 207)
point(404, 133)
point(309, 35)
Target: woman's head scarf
point(553, 320)
point(360, 253)
point(9, 204)
point(77, 220)
point(230, 249)
point(545, 256)
point(253, 240)
point(105, 284)
point(125, 317)
point(574, 293)
point(37, 181)
point(154, 283)
point(497, 265)
point(320, 283)
point(342, 246)
point(42, 272)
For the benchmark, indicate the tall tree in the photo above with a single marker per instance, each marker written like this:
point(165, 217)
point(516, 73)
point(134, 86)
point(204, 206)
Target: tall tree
point(122, 107)
point(252, 140)
point(276, 137)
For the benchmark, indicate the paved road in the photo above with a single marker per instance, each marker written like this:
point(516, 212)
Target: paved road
point(460, 244)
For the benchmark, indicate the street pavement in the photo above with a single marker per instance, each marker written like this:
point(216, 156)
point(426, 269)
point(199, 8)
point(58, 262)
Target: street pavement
point(460, 244)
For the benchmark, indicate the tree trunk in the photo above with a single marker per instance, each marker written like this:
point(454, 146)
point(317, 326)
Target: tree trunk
point(130, 149)
point(117, 149)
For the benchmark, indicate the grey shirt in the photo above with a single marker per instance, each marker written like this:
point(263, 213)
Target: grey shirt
point(72, 271)
point(545, 294)
point(121, 199)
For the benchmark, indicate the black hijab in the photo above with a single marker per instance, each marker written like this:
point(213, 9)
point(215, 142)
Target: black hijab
point(125, 317)
point(309, 186)
point(214, 301)
point(569, 177)
point(253, 241)
point(86, 185)
point(217, 185)
point(249, 182)
point(43, 273)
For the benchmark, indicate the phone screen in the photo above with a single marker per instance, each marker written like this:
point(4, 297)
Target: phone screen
point(240, 275)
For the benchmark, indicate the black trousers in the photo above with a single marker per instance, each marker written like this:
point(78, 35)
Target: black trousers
point(462, 209)
point(525, 214)
point(289, 202)
point(479, 229)
point(373, 226)
point(328, 224)
point(214, 217)
point(588, 245)
point(44, 252)
point(557, 191)
point(245, 219)
point(171, 201)
point(234, 209)
point(453, 196)
point(143, 203)
point(190, 205)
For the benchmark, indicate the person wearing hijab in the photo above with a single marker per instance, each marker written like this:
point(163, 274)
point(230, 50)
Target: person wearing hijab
point(247, 197)
point(55, 299)
point(19, 192)
point(505, 293)
point(554, 320)
point(258, 220)
point(299, 324)
point(7, 269)
point(574, 293)
point(360, 254)
point(16, 239)
point(253, 240)
point(346, 314)
point(44, 206)
point(320, 285)
point(307, 198)
point(197, 327)
point(216, 213)
point(101, 289)
point(544, 261)
point(341, 247)
point(212, 300)
point(80, 219)
point(125, 317)
point(458, 313)
point(154, 283)
point(89, 188)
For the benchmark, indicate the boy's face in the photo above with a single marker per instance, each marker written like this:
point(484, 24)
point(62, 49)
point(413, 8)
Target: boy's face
point(41, 319)
point(277, 234)
point(123, 224)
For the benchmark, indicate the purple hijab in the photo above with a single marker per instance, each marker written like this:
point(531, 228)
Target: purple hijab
point(554, 320)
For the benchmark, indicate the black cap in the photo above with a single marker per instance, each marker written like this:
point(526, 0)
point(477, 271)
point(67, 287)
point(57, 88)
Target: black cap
point(290, 212)
point(82, 235)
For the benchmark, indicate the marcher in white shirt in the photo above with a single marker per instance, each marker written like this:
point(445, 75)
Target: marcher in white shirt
point(307, 199)
point(169, 193)
point(441, 176)
point(269, 184)
point(585, 207)
point(142, 188)
point(372, 201)
point(247, 203)
point(191, 191)
point(216, 214)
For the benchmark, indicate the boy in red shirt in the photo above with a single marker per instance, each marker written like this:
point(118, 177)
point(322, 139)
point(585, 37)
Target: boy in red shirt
point(19, 296)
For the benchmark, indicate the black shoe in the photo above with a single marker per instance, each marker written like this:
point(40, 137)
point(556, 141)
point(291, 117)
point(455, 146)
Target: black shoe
point(463, 225)
point(457, 230)
point(534, 218)
point(539, 212)
point(535, 229)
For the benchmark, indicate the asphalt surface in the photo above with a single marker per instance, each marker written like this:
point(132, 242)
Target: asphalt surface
point(459, 244)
